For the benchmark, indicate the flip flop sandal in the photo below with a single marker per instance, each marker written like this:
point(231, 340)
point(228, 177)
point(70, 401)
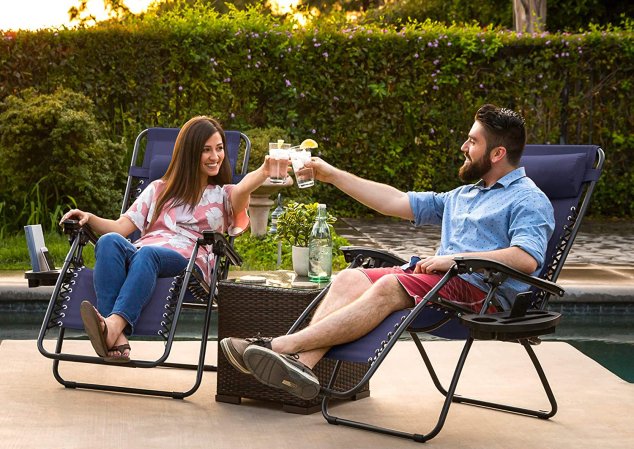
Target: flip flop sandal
point(92, 326)
point(119, 358)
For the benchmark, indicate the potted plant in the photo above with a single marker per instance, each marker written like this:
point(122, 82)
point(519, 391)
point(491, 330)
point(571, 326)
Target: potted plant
point(294, 226)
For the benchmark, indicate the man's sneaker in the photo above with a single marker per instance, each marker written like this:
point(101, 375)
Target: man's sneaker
point(281, 371)
point(233, 349)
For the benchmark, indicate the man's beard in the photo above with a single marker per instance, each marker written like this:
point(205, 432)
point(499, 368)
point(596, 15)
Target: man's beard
point(473, 171)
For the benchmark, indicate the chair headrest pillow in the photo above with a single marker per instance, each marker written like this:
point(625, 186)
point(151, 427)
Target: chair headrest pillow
point(558, 176)
point(158, 167)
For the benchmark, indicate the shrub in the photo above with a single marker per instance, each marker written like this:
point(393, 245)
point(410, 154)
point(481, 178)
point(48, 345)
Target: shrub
point(388, 103)
point(54, 157)
point(260, 138)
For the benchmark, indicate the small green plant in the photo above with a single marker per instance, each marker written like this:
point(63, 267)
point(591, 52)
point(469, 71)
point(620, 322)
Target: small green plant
point(296, 222)
point(260, 253)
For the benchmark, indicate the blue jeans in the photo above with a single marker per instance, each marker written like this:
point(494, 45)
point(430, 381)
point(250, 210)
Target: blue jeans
point(125, 276)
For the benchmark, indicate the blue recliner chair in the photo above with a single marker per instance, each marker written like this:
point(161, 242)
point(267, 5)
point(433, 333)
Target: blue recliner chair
point(567, 174)
point(160, 316)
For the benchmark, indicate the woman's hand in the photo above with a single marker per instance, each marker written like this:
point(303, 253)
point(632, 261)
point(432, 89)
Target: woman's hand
point(267, 166)
point(123, 225)
point(76, 214)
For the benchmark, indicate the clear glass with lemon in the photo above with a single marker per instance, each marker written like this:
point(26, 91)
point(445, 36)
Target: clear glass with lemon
point(305, 176)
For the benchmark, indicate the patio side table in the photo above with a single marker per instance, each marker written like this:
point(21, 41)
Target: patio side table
point(243, 311)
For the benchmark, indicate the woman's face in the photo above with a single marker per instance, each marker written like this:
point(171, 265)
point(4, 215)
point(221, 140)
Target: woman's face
point(212, 156)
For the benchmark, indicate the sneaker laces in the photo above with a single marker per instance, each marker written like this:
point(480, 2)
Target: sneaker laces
point(294, 358)
point(260, 340)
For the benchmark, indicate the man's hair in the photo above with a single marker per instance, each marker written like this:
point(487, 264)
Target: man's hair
point(503, 128)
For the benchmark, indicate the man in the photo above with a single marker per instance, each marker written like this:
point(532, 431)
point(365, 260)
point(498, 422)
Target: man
point(503, 217)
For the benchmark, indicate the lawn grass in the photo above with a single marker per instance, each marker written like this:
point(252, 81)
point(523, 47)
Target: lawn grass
point(258, 253)
point(14, 254)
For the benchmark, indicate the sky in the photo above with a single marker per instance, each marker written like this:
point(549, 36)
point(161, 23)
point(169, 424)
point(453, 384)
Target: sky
point(37, 14)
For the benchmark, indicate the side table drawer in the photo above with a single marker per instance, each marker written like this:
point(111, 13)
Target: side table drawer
point(243, 311)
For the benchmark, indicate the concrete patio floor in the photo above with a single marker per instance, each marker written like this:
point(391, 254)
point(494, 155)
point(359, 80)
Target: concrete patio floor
point(595, 406)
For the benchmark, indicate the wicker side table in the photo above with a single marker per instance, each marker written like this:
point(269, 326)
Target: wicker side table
point(243, 311)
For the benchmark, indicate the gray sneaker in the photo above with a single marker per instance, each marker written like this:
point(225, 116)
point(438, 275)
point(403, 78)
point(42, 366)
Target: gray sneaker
point(281, 371)
point(233, 349)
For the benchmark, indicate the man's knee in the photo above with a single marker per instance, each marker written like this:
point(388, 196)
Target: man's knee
point(389, 291)
point(350, 280)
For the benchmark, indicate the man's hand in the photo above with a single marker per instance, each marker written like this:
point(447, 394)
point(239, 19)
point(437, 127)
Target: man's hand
point(324, 172)
point(434, 264)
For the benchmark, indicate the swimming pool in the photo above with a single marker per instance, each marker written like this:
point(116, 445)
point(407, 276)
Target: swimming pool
point(606, 338)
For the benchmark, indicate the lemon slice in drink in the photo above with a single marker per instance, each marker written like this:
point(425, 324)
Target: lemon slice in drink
point(308, 143)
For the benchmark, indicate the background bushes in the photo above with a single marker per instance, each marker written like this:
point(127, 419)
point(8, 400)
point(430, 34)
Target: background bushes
point(54, 156)
point(391, 104)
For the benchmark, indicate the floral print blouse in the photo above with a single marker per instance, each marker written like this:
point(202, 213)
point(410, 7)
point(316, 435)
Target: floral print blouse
point(178, 228)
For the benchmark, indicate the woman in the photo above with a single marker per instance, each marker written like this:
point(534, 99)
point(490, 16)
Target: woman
point(171, 213)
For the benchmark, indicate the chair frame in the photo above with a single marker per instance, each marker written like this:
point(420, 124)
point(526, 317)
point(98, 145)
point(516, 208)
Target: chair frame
point(535, 323)
point(80, 236)
point(188, 281)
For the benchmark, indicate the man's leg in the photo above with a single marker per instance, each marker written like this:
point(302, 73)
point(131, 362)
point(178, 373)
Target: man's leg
point(281, 366)
point(346, 323)
point(347, 286)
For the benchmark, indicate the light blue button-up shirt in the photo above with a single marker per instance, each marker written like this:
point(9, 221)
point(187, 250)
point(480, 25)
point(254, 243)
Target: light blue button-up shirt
point(512, 212)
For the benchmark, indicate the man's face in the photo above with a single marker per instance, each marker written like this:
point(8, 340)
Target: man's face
point(477, 160)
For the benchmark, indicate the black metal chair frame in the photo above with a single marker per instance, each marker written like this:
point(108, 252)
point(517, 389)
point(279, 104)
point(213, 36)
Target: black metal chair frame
point(202, 295)
point(527, 320)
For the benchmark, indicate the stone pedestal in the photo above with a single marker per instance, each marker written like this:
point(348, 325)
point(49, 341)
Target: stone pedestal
point(261, 202)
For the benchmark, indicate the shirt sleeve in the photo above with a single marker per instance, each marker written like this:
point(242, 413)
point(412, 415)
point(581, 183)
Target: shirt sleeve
point(142, 209)
point(237, 223)
point(427, 207)
point(531, 225)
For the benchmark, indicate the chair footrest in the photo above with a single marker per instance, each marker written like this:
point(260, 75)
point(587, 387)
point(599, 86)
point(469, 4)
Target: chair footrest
point(500, 326)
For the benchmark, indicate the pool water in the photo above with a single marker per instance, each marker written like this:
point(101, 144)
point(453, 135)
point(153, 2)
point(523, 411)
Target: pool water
point(607, 339)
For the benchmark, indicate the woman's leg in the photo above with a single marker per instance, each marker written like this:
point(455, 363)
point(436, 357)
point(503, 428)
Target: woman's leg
point(112, 255)
point(145, 267)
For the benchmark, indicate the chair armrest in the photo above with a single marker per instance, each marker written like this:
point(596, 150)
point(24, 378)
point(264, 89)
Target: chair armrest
point(72, 228)
point(220, 246)
point(471, 264)
point(370, 257)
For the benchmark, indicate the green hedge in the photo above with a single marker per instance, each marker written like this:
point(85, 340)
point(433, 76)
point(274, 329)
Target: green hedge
point(393, 105)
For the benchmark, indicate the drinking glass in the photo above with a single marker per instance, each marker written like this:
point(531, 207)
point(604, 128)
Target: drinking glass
point(305, 176)
point(278, 161)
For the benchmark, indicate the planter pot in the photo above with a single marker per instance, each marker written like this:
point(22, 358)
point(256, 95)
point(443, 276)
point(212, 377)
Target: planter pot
point(300, 260)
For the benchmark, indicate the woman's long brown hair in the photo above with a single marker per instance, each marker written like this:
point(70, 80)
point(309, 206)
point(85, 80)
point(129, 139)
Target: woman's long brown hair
point(183, 176)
